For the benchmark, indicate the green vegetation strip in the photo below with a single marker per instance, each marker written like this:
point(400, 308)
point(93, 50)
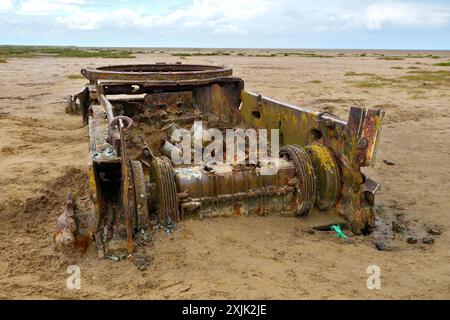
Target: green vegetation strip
point(375, 82)
point(441, 77)
point(420, 78)
point(31, 52)
point(390, 58)
point(307, 55)
point(355, 74)
point(442, 64)
point(195, 54)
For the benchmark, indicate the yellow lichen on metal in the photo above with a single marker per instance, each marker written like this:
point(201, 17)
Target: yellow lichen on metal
point(94, 196)
point(378, 122)
point(323, 156)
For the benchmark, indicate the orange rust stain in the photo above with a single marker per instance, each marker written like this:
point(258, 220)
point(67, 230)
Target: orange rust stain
point(237, 209)
point(294, 201)
point(82, 242)
point(260, 210)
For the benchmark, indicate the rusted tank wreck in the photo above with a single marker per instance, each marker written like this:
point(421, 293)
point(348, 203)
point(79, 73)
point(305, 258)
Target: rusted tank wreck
point(131, 110)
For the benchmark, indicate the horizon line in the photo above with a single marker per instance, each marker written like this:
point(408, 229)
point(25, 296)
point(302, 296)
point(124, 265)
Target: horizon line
point(228, 48)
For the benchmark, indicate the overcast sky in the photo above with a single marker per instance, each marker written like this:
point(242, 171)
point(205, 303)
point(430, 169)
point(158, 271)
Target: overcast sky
point(367, 24)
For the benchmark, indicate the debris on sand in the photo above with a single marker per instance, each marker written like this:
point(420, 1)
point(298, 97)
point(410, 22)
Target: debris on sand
point(397, 228)
point(428, 240)
point(337, 228)
point(434, 230)
point(380, 245)
point(66, 226)
point(389, 163)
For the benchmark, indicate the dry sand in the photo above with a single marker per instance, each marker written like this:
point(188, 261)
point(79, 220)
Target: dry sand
point(44, 154)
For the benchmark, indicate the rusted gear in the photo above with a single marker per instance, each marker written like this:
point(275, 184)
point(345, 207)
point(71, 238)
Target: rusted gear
point(327, 175)
point(162, 174)
point(140, 195)
point(306, 185)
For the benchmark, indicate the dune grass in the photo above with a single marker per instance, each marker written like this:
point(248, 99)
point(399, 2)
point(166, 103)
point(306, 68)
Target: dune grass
point(390, 58)
point(419, 56)
point(430, 78)
point(374, 81)
point(408, 56)
point(262, 55)
point(356, 74)
point(413, 79)
point(442, 64)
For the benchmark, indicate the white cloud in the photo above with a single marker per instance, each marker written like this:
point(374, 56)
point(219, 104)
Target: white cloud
point(47, 7)
point(406, 15)
point(215, 15)
point(6, 5)
point(234, 16)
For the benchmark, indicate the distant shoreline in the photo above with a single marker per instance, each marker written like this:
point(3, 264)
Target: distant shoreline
point(224, 48)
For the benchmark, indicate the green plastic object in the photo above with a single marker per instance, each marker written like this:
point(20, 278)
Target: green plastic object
point(337, 228)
